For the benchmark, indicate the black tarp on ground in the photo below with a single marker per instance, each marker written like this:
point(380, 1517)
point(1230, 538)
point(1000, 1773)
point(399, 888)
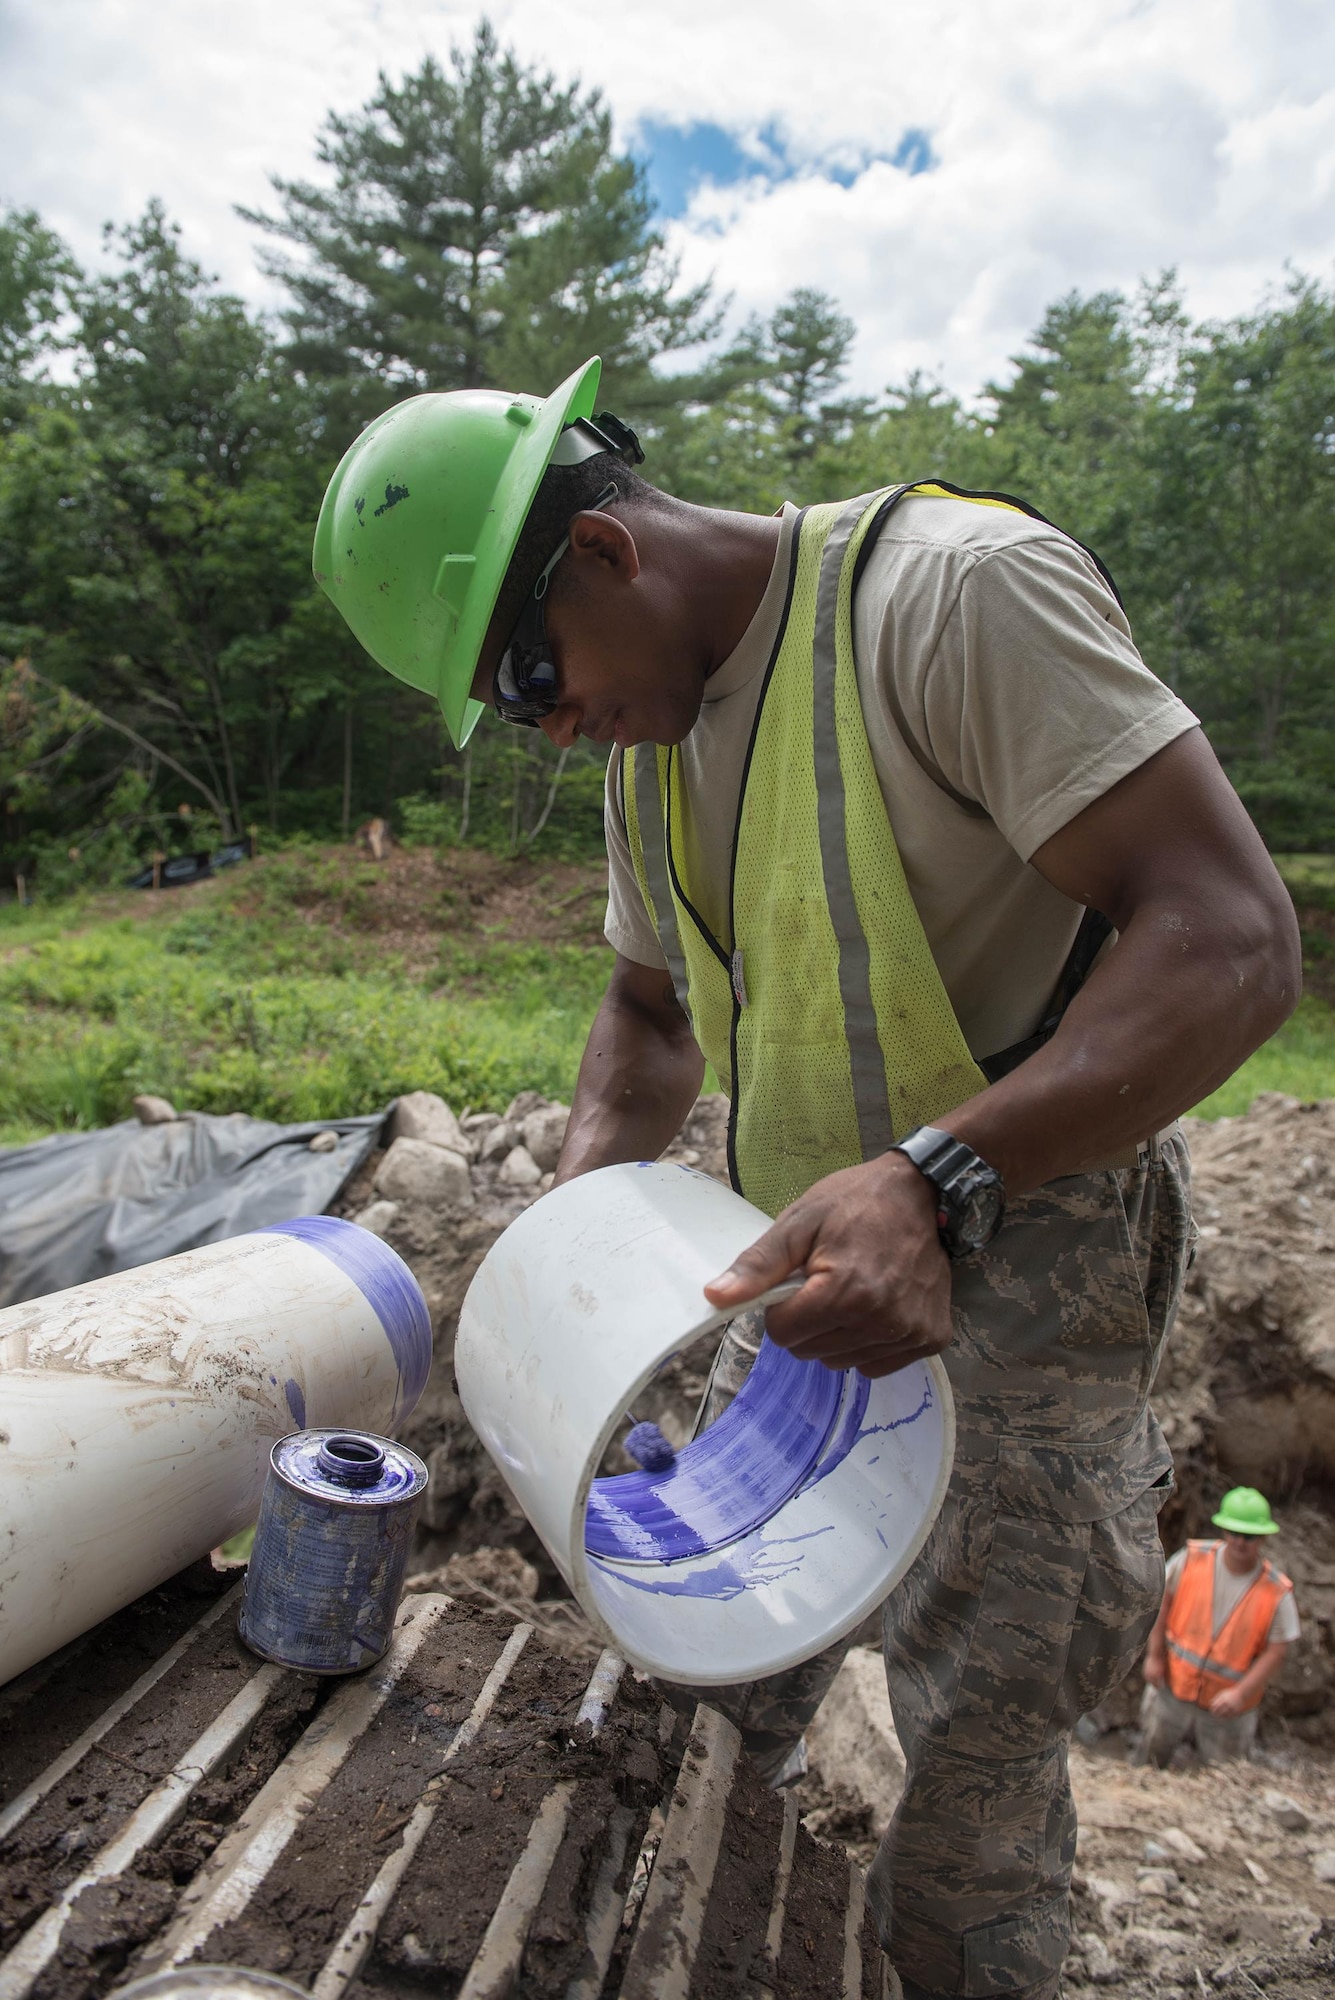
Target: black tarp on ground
point(83, 1204)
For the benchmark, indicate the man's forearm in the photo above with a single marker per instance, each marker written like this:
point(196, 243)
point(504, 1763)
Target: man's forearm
point(1164, 1020)
point(1207, 965)
point(1262, 1670)
point(641, 1073)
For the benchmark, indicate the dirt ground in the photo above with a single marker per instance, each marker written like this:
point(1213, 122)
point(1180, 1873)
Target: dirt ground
point(1186, 1880)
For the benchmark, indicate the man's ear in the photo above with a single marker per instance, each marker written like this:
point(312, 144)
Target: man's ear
point(602, 539)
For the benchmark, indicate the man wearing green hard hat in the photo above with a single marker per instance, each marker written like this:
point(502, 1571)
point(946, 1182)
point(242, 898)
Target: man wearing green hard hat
point(905, 840)
point(1227, 1620)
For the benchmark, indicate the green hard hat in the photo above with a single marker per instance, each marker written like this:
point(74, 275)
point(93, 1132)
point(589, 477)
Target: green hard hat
point(1244, 1511)
point(421, 519)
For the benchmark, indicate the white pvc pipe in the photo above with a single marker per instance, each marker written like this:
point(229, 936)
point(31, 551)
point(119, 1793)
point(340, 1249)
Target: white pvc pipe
point(137, 1413)
point(772, 1536)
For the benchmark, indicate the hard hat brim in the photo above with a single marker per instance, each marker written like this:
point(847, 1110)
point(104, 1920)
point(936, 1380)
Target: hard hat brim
point(1232, 1527)
point(523, 475)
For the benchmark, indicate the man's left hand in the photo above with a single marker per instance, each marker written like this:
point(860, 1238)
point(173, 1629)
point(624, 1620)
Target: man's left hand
point(1227, 1702)
point(876, 1294)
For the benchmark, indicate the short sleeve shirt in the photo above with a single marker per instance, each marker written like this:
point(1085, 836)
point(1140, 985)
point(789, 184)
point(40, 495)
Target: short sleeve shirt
point(1002, 694)
point(1228, 1594)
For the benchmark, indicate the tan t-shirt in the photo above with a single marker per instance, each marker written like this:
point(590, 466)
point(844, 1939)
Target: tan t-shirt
point(1002, 694)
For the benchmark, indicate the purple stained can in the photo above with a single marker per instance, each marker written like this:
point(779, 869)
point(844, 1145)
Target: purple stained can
point(331, 1547)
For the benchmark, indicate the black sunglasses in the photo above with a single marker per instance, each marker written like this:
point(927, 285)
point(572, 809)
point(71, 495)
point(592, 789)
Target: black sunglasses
point(524, 688)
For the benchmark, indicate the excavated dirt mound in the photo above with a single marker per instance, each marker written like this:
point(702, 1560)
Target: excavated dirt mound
point(1246, 1395)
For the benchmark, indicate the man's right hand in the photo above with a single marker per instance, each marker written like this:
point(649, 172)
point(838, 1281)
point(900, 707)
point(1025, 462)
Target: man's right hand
point(1155, 1669)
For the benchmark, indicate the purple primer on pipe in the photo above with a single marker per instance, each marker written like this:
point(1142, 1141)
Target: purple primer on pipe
point(389, 1288)
point(732, 1479)
point(759, 1566)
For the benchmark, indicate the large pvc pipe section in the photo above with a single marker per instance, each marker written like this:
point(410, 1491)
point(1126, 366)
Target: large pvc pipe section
point(781, 1526)
point(137, 1413)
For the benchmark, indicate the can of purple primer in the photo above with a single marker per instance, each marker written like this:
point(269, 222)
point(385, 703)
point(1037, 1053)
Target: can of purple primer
point(326, 1571)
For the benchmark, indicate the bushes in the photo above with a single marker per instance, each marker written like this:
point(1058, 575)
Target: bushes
point(224, 1011)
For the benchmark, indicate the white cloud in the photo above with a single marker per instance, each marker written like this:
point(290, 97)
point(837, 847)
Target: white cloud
point(1081, 143)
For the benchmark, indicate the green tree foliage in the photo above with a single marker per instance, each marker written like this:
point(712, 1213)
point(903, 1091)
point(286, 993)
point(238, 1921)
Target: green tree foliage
point(35, 273)
point(168, 670)
point(477, 229)
point(1242, 586)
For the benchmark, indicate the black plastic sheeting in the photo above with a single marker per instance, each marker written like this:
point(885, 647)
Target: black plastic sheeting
point(84, 1204)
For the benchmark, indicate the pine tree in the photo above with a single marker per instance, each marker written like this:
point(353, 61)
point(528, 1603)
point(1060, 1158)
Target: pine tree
point(479, 229)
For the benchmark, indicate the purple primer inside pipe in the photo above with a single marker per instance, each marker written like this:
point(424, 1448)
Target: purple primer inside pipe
point(765, 1446)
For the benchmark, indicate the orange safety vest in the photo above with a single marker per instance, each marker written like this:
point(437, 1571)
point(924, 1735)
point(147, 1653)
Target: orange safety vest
point(1201, 1663)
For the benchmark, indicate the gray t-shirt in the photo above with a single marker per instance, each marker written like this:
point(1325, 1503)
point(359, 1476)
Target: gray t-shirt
point(1002, 694)
point(1228, 1594)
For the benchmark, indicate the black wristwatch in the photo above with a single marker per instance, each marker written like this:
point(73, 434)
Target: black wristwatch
point(970, 1196)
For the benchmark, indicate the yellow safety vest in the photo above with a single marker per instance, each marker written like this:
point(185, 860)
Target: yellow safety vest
point(822, 1012)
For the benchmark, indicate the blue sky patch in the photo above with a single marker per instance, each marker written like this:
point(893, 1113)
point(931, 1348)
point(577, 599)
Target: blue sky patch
point(680, 158)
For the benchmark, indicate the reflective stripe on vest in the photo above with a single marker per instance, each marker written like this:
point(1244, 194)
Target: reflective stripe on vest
point(1202, 1662)
point(822, 1012)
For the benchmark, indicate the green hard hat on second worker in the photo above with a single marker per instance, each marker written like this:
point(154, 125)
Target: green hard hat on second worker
point(1244, 1511)
point(421, 519)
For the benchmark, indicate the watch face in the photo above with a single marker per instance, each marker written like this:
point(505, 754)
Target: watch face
point(979, 1214)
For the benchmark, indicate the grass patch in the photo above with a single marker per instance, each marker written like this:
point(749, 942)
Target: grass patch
point(1303, 872)
point(1299, 1061)
point(238, 1003)
point(300, 988)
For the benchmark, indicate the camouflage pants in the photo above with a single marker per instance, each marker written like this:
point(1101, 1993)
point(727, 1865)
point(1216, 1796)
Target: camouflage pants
point(1035, 1590)
point(1166, 1722)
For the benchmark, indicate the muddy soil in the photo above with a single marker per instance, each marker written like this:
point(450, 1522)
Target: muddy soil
point(55, 1701)
point(487, 1805)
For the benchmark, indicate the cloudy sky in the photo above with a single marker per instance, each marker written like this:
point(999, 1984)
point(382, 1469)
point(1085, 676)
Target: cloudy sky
point(943, 167)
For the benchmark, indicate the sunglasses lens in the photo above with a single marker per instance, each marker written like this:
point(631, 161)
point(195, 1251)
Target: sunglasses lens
point(525, 686)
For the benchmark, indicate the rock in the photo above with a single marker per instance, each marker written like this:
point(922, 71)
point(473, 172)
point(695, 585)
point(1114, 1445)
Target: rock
point(518, 1109)
point(476, 1123)
point(1287, 1811)
point(1155, 1853)
point(1182, 1845)
point(378, 1217)
point(1161, 1882)
point(155, 1111)
point(1100, 1964)
point(1110, 1895)
point(420, 1114)
point(482, 1577)
point(543, 1132)
point(519, 1169)
point(413, 1170)
point(500, 1140)
point(852, 1739)
point(1323, 1865)
point(1255, 1870)
point(1151, 1939)
point(324, 1142)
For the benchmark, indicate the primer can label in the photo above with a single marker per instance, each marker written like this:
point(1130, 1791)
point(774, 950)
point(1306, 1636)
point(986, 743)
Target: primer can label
point(331, 1548)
